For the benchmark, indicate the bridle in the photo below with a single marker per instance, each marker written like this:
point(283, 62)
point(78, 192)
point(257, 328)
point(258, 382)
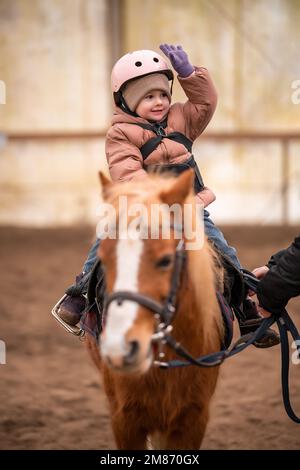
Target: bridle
point(164, 312)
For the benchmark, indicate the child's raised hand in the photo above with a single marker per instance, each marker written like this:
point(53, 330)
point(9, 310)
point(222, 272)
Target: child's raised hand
point(178, 58)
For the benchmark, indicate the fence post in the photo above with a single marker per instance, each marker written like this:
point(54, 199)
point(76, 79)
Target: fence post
point(2, 92)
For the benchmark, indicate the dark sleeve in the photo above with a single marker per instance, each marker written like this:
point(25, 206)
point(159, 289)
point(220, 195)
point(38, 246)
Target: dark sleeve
point(275, 258)
point(283, 280)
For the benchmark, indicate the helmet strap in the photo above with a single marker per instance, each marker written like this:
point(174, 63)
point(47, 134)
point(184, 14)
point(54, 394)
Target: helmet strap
point(120, 101)
point(171, 87)
point(123, 105)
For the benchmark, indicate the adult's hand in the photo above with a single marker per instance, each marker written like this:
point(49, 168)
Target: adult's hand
point(263, 312)
point(259, 273)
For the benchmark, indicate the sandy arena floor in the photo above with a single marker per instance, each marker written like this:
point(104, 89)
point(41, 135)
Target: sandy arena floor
point(51, 397)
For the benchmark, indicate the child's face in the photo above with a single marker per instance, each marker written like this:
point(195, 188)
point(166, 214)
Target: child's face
point(154, 106)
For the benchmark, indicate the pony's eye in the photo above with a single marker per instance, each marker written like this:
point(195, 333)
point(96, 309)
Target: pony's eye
point(164, 262)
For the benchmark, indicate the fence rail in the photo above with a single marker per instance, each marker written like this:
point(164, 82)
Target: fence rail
point(284, 138)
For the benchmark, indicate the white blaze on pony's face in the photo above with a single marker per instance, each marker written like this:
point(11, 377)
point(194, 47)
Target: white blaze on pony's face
point(120, 318)
point(136, 266)
point(140, 267)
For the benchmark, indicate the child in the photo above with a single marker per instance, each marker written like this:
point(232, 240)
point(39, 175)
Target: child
point(147, 131)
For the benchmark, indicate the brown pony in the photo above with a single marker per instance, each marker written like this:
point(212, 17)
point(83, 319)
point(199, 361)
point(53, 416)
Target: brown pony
point(149, 406)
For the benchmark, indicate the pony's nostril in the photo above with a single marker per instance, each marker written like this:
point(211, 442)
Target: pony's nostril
point(133, 351)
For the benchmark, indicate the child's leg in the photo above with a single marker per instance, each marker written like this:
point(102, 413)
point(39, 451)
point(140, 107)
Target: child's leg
point(215, 234)
point(72, 307)
point(92, 257)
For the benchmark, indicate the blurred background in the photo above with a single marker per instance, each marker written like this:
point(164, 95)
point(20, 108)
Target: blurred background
point(55, 61)
point(55, 108)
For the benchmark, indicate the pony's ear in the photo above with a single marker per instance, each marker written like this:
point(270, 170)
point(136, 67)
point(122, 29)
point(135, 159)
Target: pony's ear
point(105, 184)
point(179, 190)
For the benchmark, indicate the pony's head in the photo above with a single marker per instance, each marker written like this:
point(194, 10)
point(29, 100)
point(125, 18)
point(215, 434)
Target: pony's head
point(139, 265)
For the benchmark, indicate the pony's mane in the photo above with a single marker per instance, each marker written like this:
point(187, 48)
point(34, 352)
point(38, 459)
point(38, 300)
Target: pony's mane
point(203, 264)
point(206, 276)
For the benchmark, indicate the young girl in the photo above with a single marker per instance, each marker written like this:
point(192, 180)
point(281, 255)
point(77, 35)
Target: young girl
point(147, 131)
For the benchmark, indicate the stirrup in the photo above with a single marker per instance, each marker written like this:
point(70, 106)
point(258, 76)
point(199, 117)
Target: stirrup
point(75, 330)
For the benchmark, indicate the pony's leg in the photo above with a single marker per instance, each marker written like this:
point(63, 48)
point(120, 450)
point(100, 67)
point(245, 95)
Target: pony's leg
point(189, 431)
point(93, 350)
point(128, 435)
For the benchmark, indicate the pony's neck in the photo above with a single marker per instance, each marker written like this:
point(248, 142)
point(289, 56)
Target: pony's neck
point(198, 317)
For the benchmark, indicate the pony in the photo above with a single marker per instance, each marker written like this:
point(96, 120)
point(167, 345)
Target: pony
point(151, 407)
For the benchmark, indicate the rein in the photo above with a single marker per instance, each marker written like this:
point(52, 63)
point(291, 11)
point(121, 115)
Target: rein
point(285, 326)
point(165, 314)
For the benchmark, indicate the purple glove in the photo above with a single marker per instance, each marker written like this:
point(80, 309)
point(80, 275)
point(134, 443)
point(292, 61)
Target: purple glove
point(178, 58)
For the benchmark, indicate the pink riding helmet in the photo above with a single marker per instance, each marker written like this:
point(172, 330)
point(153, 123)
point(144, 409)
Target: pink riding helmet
point(137, 64)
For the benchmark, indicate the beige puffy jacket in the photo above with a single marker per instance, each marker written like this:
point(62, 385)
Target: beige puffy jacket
point(124, 139)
